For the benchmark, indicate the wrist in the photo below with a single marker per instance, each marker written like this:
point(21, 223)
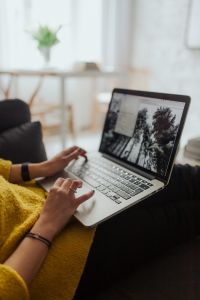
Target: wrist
point(44, 228)
point(45, 168)
point(39, 237)
point(36, 170)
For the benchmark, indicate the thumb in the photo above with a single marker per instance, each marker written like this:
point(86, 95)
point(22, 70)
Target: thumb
point(84, 197)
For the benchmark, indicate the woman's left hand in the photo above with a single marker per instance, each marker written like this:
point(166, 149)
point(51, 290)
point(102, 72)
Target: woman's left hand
point(60, 161)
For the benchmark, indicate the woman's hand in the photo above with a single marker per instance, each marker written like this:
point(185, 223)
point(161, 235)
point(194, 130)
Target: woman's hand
point(49, 167)
point(60, 161)
point(59, 207)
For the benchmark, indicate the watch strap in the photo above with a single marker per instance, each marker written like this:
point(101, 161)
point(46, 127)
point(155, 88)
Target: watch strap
point(25, 172)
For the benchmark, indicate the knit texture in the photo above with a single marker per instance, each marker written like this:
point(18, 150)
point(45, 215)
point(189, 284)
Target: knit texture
point(5, 166)
point(12, 286)
point(59, 276)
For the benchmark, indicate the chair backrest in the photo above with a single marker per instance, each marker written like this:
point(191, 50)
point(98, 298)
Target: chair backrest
point(13, 112)
point(20, 139)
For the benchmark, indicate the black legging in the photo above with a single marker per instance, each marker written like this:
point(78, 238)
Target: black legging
point(146, 229)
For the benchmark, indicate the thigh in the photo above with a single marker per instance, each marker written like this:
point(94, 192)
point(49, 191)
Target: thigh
point(184, 185)
point(142, 231)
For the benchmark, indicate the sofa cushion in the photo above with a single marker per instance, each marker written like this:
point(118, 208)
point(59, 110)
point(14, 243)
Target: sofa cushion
point(23, 143)
point(13, 112)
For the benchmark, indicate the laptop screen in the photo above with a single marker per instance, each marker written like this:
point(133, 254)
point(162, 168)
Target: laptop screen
point(142, 130)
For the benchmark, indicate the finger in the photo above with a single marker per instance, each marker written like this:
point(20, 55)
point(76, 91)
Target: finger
point(70, 150)
point(66, 184)
point(84, 197)
point(85, 156)
point(73, 155)
point(59, 182)
point(75, 185)
point(82, 151)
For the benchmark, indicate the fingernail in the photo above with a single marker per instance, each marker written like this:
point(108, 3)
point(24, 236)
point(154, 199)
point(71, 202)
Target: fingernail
point(92, 191)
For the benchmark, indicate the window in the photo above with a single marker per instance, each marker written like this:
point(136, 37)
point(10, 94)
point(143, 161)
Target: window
point(80, 36)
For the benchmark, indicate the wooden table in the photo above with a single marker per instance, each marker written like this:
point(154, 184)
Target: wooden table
point(62, 75)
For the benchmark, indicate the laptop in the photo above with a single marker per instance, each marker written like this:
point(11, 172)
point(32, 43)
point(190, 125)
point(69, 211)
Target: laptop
point(139, 142)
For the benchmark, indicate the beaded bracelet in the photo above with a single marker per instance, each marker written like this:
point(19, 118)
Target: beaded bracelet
point(40, 238)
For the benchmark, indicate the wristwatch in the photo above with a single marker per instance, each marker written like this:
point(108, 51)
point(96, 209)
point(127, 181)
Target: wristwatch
point(25, 172)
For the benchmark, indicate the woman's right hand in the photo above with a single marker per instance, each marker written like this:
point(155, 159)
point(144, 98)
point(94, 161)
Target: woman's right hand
point(59, 207)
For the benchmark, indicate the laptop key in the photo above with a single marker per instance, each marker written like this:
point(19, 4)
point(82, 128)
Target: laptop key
point(112, 187)
point(144, 186)
point(137, 191)
point(144, 181)
point(114, 197)
point(133, 193)
point(123, 195)
point(101, 188)
point(137, 182)
point(106, 183)
point(132, 186)
point(132, 180)
point(105, 191)
point(92, 182)
point(126, 189)
point(117, 201)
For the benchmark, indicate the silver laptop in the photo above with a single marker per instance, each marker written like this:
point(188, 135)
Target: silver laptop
point(136, 154)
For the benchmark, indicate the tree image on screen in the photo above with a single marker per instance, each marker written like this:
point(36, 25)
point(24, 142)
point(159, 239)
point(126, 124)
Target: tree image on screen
point(141, 124)
point(153, 141)
point(153, 136)
point(165, 131)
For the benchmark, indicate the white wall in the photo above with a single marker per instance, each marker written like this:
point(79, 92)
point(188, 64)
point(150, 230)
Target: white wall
point(159, 56)
point(158, 46)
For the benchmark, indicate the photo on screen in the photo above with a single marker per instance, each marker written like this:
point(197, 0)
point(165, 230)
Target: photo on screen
point(142, 131)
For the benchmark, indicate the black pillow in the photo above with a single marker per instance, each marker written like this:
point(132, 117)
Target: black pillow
point(23, 143)
point(13, 112)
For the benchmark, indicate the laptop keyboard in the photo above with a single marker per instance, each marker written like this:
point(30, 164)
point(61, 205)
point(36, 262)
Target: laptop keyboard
point(109, 179)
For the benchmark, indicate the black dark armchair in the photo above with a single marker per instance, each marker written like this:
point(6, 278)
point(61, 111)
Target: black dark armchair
point(20, 139)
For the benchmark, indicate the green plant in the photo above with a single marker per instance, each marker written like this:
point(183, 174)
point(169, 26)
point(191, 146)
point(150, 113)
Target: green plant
point(45, 36)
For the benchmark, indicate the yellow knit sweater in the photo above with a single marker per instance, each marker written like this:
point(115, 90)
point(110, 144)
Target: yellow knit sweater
point(59, 276)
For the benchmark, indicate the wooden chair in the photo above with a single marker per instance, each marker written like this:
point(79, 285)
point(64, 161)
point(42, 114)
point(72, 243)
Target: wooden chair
point(41, 109)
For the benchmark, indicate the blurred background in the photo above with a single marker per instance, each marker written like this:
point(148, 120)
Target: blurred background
point(64, 57)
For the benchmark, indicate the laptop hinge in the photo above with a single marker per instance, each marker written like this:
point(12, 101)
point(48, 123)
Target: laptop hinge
point(131, 168)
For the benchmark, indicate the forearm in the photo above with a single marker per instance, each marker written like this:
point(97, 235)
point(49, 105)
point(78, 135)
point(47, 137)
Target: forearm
point(35, 170)
point(49, 167)
point(27, 259)
point(58, 209)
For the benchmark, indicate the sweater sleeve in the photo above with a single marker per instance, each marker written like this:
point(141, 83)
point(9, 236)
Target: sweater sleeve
point(5, 166)
point(12, 286)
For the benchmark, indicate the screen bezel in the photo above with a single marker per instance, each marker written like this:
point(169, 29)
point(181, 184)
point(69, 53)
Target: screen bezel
point(155, 95)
